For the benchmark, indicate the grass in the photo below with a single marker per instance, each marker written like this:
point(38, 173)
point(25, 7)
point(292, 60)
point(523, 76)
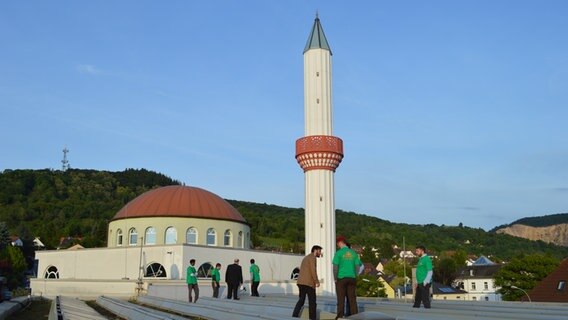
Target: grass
point(38, 309)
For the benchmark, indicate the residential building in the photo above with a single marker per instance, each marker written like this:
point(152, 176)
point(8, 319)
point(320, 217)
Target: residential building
point(477, 280)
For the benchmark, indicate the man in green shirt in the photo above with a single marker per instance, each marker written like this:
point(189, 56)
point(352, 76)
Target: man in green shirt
point(191, 279)
point(215, 278)
point(346, 264)
point(254, 278)
point(423, 278)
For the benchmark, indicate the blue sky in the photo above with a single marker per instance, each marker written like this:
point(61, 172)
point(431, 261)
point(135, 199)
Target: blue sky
point(450, 111)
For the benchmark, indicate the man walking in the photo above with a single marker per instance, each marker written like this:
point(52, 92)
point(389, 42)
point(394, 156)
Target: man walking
point(191, 279)
point(234, 278)
point(215, 277)
point(423, 278)
point(346, 263)
point(254, 278)
point(308, 282)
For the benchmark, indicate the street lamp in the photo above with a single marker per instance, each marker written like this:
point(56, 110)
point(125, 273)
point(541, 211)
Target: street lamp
point(515, 287)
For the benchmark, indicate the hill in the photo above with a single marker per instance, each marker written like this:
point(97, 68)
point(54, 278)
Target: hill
point(281, 228)
point(51, 204)
point(79, 203)
point(550, 228)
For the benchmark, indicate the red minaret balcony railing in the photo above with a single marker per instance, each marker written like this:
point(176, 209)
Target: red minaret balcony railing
point(319, 152)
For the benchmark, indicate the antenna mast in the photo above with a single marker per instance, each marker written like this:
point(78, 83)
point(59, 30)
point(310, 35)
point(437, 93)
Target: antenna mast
point(65, 163)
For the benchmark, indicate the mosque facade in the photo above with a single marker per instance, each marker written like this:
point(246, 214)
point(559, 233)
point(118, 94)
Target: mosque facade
point(153, 237)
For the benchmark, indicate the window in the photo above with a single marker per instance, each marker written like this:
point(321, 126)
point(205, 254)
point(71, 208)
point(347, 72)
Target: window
point(561, 285)
point(204, 271)
point(240, 240)
point(295, 274)
point(171, 236)
point(474, 298)
point(473, 286)
point(191, 236)
point(150, 236)
point(227, 238)
point(119, 238)
point(132, 237)
point(486, 285)
point(247, 241)
point(486, 298)
point(211, 237)
point(51, 273)
point(155, 270)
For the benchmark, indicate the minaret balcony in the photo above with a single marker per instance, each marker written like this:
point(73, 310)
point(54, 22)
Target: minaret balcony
point(319, 152)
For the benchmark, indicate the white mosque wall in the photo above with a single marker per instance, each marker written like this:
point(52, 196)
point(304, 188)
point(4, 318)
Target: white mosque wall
point(114, 271)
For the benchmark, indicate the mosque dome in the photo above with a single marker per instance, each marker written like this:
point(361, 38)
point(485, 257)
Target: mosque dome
point(179, 201)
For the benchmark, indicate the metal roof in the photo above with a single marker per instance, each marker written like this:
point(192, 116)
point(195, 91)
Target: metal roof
point(317, 39)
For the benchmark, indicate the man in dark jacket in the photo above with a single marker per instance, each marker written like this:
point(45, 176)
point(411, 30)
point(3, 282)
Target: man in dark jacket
point(234, 278)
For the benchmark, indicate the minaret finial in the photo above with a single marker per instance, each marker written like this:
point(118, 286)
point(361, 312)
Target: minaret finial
point(317, 15)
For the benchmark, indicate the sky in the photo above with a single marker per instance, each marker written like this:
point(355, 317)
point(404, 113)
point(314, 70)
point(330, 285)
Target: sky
point(450, 111)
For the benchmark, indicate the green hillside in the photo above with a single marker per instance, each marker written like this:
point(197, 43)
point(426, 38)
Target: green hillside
point(79, 203)
point(540, 221)
point(281, 228)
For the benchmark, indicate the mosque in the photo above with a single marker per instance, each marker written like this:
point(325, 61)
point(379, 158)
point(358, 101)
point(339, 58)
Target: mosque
point(153, 237)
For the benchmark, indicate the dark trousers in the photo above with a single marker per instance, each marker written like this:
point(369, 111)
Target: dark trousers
point(422, 295)
point(254, 288)
point(193, 287)
point(233, 290)
point(311, 293)
point(215, 285)
point(346, 287)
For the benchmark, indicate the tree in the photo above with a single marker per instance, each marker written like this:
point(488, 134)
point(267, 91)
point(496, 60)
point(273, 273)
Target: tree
point(523, 272)
point(445, 270)
point(369, 256)
point(4, 235)
point(370, 286)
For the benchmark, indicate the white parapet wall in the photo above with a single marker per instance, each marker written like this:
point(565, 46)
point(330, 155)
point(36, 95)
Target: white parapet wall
point(115, 271)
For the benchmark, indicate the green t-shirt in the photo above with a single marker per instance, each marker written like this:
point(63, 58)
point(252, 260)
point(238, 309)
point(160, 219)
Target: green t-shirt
point(424, 265)
point(191, 276)
point(215, 275)
point(255, 270)
point(347, 261)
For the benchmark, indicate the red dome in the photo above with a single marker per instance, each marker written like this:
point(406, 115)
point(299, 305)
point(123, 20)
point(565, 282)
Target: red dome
point(179, 201)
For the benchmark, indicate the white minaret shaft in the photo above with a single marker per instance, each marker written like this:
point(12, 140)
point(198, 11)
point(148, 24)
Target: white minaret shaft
point(319, 153)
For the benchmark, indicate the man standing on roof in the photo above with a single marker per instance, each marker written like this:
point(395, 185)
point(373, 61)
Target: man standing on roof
point(346, 264)
point(308, 282)
point(191, 279)
point(215, 278)
point(254, 278)
point(423, 278)
point(234, 278)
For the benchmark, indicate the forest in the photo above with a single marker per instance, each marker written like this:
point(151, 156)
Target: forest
point(77, 203)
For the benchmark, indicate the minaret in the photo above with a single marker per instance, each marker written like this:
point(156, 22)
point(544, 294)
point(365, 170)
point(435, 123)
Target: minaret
point(319, 153)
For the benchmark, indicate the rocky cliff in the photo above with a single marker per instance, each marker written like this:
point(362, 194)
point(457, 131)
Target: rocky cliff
point(556, 234)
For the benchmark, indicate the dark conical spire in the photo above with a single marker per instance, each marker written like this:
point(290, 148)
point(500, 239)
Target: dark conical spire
point(317, 39)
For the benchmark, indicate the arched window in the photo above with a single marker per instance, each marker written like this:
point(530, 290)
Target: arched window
point(51, 273)
point(240, 240)
point(227, 238)
point(150, 236)
point(155, 270)
point(204, 270)
point(119, 237)
point(171, 235)
point(211, 237)
point(132, 237)
point(295, 274)
point(191, 236)
point(247, 240)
